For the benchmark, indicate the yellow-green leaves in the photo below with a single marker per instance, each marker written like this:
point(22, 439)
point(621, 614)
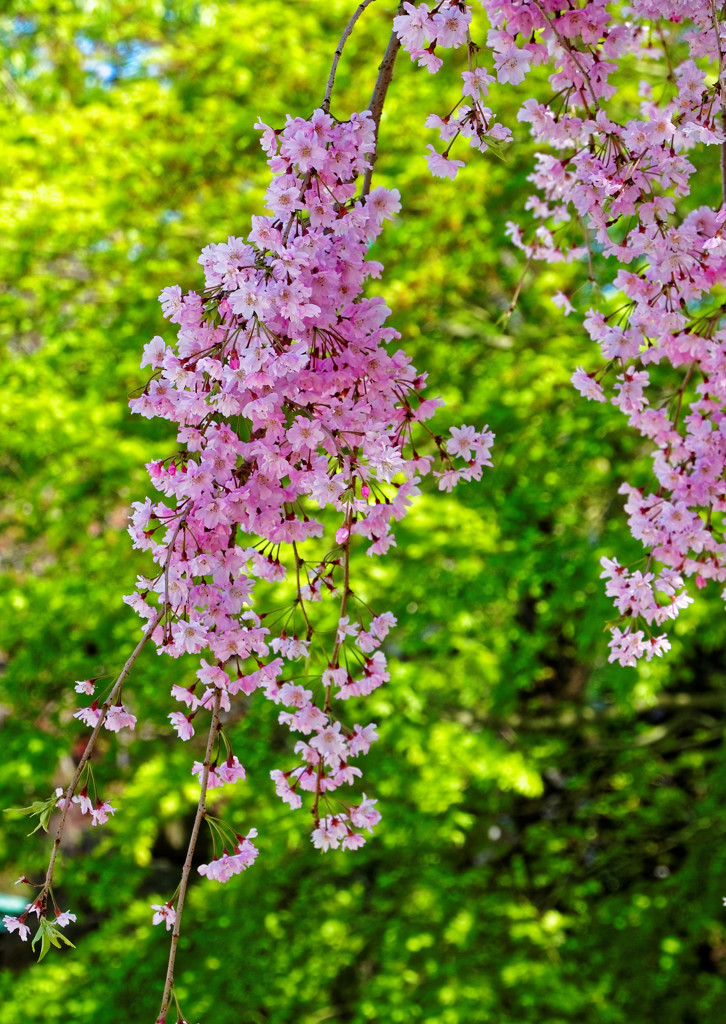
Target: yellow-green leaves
point(49, 934)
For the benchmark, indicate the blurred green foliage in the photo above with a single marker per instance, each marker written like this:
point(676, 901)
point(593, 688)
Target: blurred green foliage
point(552, 846)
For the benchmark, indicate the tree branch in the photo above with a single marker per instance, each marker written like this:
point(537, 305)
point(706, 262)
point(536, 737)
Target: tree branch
point(339, 52)
point(335, 656)
point(719, 88)
point(186, 870)
point(723, 161)
point(110, 700)
point(385, 74)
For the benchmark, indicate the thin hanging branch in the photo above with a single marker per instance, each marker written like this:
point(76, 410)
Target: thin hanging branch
point(339, 52)
point(719, 90)
point(110, 700)
point(186, 870)
point(723, 161)
point(385, 75)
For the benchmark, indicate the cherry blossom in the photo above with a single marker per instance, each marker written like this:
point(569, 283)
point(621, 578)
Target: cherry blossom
point(182, 724)
point(440, 165)
point(164, 912)
point(17, 924)
point(119, 718)
point(90, 715)
point(101, 812)
point(243, 855)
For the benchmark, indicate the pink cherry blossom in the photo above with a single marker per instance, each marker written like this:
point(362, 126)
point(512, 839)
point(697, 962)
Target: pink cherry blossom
point(450, 25)
point(17, 924)
point(101, 812)
point(560, 300)
point(164, 912)
point(182, 724)
point(329, 833)
point(90, 715)
point(366, 815)
point(587, 385)
point(440, 165)
point(225, 867)
point(119, 718)
point(84, 802)
point(512, 65)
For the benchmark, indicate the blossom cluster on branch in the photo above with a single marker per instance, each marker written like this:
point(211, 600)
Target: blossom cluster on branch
point(614, 186)
point(288, 402)
point(297, 424)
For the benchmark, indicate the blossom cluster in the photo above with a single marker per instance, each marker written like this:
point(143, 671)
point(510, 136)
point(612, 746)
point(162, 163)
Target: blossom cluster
point(99, 812)
point(224, 867)
point(666, 336)
point(421, 30)
point(621, 171)
point(295, 422)
point(18, 924)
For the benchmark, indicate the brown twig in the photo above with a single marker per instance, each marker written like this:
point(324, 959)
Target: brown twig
point(719, 88)
point(298, 562)
point(385, 75)
point(515, 298)
point(110, 700)
point(108, 703)
point(723, 161)
point(334, 657)
point(339, 52)
point(167, 563)
point(186, 870)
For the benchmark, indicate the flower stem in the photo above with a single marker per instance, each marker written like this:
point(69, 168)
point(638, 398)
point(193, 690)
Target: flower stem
point(339, 52)
point(110, 700)
point(186, 870)
point(385, 75)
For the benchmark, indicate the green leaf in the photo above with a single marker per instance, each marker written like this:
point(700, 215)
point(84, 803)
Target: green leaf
point(25, 812)
point(49, 935)
point(43, 808)
point(497, 149)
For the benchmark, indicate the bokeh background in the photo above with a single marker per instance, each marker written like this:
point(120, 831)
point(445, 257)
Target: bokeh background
point(552, 847)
